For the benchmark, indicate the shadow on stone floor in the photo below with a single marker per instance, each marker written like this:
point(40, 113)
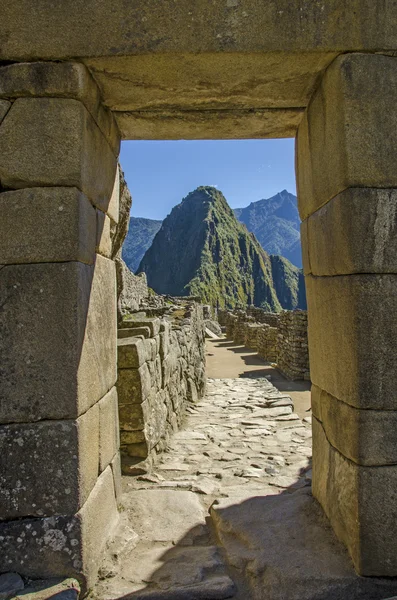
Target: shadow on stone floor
point(259, 547)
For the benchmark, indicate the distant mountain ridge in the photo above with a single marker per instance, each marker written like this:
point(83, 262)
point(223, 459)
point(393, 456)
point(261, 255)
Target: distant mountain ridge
point(139, 238)
point(276, 224)
point(201, 249)
point(274, 221)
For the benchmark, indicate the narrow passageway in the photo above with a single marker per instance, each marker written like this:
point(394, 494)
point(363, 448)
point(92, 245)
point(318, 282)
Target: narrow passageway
point(243, 440)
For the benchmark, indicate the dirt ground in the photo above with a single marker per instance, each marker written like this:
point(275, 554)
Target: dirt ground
point(227, 359)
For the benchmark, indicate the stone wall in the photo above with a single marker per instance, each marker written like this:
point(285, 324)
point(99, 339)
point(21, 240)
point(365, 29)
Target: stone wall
point(280, 338)
point(161, 369)
point(292, 345)
point(267, 343)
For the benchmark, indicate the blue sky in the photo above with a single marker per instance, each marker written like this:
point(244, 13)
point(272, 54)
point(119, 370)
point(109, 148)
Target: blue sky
point(160, 173)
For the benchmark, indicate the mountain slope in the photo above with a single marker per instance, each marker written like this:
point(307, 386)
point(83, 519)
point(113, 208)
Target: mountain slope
point(201, 249)
point(275, 223)
point(139, 238)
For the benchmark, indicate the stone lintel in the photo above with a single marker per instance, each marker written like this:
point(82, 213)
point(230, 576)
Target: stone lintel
point(58, 339)
point(344, 139)
point(46, 225)
point(51, 142)
point(355, 232)
point(209, 124)
point(48, 468)
point(352, 338)
point(366, 437)
point(60, 80)
point(360, 502)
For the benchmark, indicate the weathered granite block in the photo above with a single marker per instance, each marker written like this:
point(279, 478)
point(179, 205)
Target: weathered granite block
point(59, 546)
point(131, 352)
point(116, 472)
point(63, 80)
point(103, 237)
point(55, 142)
point(48, 468)
point(139, 321)
point(355, 232)
point(4, 108)
point(130, 332)
point(367, 437)
point(57, 339)
point(62, 227)
point(109, 430)
point(133, 385)
point(132, 416)
point(344, 139)
point(352, 338)
point(360, 502)
point(114, 203)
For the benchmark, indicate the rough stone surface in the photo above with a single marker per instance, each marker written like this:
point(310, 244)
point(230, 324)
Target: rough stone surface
point(109, 435)
point(67, 314)
point(367, 437)
point(63, 546)
point(10, 585)
point(355, 232)
point(103, 235)
point(46, 225)
point(360, 502)
point(352, 338)
point(119, 211)
point(344, 140)
point(63, 80)
point(48, 468)
point(4, 108)
point(132, 289)
point(55, 142)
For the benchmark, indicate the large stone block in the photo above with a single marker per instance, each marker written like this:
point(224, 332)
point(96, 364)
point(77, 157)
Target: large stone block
point(133, 385)
point(131, 352)
point(355, 232)
point(103, 234)
point(132, 416)
point(62, 546)
point(48, 468)
point(46, 225)
point(360, 503)
point(4, 108)
point(139, 321)
point(352, 338)
point(55, 142)
point(367, 437)
point(57, 339)
point(344, 139)
point(109, 430)
point(60, 80)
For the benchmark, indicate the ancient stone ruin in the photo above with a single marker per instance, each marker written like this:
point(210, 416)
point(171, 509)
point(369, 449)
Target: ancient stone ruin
point(77, 77)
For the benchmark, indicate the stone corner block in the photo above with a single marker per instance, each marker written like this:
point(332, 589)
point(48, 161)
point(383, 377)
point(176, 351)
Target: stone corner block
point(55, 142)
point(355, 232)
point(135, 321)
point(366, 437)
point(64, 80)
point(133, 385)
point(360, 504)
point(352, 338)
point(53, 469)
point(46, 225)
point(66, 312)
point(344, 139)
point(131, 352)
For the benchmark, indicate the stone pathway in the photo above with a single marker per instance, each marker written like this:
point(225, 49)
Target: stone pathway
point(242, 440)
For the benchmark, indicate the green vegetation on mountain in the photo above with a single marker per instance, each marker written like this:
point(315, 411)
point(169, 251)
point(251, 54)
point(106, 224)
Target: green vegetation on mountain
point(202, 250)
point(139, 238)
point(276, 225)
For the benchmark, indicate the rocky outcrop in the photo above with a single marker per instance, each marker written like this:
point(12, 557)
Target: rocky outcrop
point(140, 236)
point(201, 249)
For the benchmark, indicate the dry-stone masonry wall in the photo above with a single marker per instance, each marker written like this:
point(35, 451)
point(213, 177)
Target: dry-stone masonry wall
point(280, 338)
point(161, 369)
point(292, 345)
